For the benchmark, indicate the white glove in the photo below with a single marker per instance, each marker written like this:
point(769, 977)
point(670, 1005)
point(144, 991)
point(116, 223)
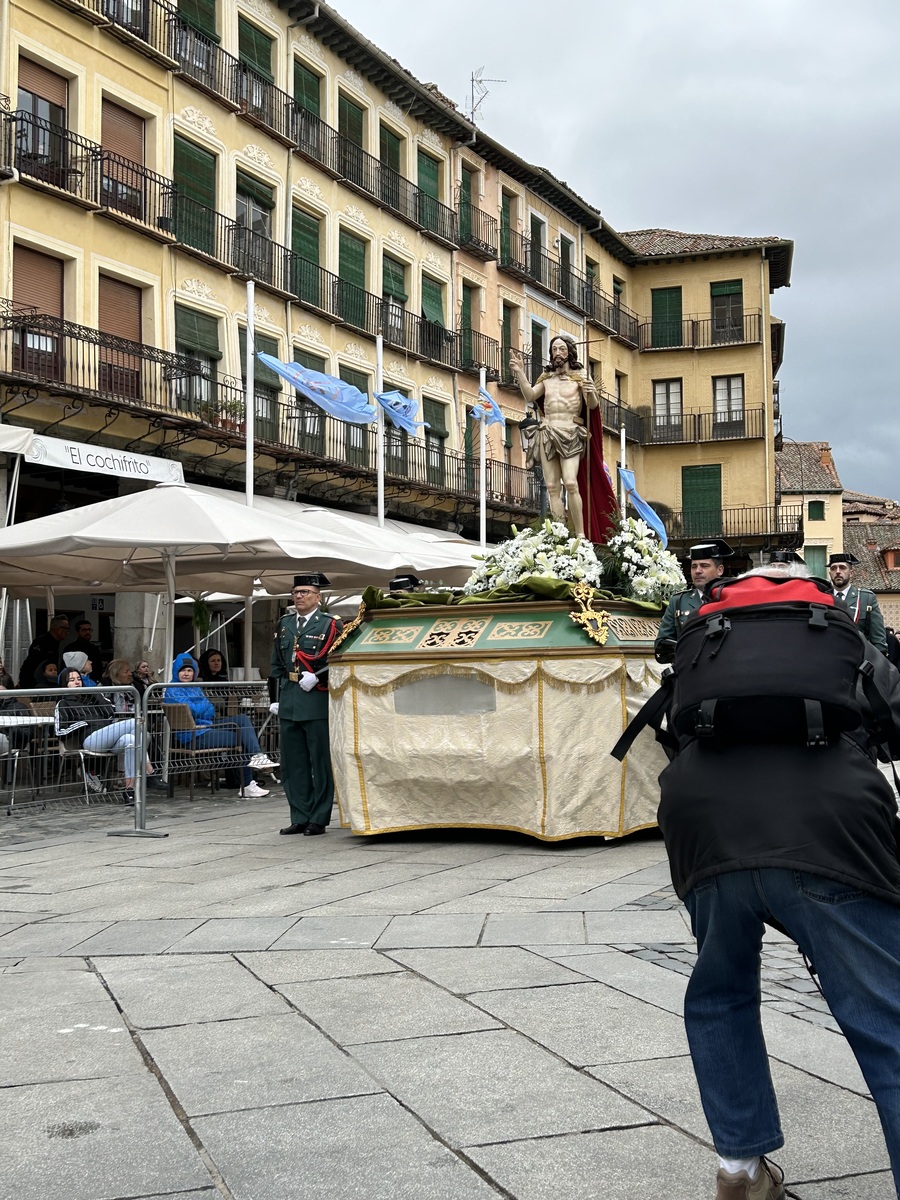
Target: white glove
point(308, 681)
point(273, 708)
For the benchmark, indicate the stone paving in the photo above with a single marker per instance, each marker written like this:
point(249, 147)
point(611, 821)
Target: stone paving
point(229, 1013)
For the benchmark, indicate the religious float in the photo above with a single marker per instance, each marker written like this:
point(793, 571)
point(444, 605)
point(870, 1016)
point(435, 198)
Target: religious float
point(496, 707)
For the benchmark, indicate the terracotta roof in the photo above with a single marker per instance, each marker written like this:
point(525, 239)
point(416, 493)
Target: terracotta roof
point(860, 504)
point(868, 542)
point(651, 242)
point(807, 467)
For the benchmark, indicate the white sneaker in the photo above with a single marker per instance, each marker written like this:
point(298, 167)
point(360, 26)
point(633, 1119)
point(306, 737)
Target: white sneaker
point(254, 790)
point(93, 782)
point(261, 762)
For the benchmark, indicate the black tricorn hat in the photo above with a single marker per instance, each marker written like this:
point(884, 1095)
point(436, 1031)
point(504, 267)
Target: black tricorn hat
point(785, 556)
point(311, 579)
point(714, 548)
point(850, 559)
point(404, 583)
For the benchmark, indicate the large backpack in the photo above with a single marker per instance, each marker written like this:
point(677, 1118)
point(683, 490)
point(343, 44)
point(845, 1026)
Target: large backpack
point(763, 661)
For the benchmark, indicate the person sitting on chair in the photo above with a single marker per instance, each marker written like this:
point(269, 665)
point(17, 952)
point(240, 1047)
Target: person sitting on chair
point(87, 720)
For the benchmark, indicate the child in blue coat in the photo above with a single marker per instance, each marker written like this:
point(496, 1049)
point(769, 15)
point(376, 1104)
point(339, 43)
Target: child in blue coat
point(213, 731)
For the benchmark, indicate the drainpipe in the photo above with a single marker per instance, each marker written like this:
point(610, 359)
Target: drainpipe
point(764, 337)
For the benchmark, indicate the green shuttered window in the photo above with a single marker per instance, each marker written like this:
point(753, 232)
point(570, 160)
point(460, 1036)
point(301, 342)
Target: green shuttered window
point(263, 376)
point(666, 316)
point(307, 86)
point(432, 300)
point(195, 172)
point(732, 287)
point(254, 49)
point(197, 331)
point(312, 362)
point(429, 175)
point(389, 148)
point(351, 120)
point(305, 235)
point(352, 259)
point(246, 185)
point(393, 279)
point(200, 15)
point(435, 414)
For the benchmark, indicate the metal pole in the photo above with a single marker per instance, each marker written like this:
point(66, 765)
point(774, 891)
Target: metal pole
point(250, 394)
point(622, 494)
point(379, 460)
point(482, 498)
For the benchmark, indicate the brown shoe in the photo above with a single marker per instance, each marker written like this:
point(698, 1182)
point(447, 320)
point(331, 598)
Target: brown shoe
point(768, 1184)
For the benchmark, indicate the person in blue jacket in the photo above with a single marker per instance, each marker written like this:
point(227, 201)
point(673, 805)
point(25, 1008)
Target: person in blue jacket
point(213, 731)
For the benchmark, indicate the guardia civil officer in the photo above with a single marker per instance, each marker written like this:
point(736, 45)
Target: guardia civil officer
point(303, 637)
point(706, 565)
point(862, 603)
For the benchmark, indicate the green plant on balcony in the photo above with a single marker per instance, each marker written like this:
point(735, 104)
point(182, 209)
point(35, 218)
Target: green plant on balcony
point(231, 414)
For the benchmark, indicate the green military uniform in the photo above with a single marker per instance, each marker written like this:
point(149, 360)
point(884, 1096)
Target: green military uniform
point(305, 751)
point(864, 610)
point(680, 607)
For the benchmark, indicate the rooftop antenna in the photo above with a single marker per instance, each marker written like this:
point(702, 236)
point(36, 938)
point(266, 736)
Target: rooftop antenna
point(478, 93)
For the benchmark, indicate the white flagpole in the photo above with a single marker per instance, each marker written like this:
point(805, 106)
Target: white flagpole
point(249, 431)
point(482, 498)
point(622, 493)
point(379, 459)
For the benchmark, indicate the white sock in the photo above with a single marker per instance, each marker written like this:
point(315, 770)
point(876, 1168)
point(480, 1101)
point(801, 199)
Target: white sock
point(733, 1165)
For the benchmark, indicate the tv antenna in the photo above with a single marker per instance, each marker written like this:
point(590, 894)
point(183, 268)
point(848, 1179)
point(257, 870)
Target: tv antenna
point(478, 93)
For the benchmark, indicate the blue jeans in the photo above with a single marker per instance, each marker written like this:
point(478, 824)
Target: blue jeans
point(118, 736)
point(231, 731)
point(853, 940)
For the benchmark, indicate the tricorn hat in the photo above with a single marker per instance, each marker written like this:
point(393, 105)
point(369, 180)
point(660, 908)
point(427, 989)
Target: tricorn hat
point(785, 556)
point(850, 559)
point(311, 579)
point(404, 583)
point(714, 548)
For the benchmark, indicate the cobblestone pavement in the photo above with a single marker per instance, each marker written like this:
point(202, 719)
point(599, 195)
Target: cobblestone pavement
point(224, 1012)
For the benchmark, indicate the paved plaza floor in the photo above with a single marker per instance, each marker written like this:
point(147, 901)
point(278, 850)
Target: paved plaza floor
point(439, 1016)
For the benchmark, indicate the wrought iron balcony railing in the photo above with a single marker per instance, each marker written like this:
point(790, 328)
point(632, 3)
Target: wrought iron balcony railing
point(51, 155)
point(477, 232)
point(701, 333)
point(611, 316)
point(144, 21)
point(780, 523)
point(616, 415)
point(477, 351)
point(529, 261)
point(412, 333)
point(131, 191)
point(37, 350)
point(705, 427)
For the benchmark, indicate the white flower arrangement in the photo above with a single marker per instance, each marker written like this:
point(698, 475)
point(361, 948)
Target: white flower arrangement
point(648, 571)
point(549, 552)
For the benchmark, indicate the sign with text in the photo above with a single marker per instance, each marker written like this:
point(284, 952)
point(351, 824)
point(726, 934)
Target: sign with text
point(101, 460)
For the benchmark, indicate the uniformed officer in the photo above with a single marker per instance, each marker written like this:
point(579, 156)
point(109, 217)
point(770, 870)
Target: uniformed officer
point(862, 603)
point(303, 637)
point(706, 565)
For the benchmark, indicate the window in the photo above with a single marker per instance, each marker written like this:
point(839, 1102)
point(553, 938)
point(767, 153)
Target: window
point(310, 419)
point(621, 388)
point(307, 110)
point(667, 407)
point(307, 88)
point(727, 304)
point(436, 434)
point(356, 437)
point(465, 326)
point(506, 204)
point(252, 245)
point(432, 334)
point(538, 350)
point(618, 301)
point(200, 15)
point(432, 300)
point(428, 177)
point(38, 282)
point(396, 444)
point(814, 557)
point(467, 188)
point(390, 147)
point(119, 308)
point(393, 289)
point(351, 294)
point(306, 278)
point(566, 247)
point(255, 93)
point(42, 150)
point(121, 180)
point(536, 250)
point(266, 386)
point(352, 129)
point(892, 560)
point(701, 501)
point(816, 510)
point(194, 172)
point(728, 404)
point(666, 317)
point(197, 338)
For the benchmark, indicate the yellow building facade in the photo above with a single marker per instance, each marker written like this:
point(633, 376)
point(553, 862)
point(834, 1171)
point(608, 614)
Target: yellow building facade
point(157, 158)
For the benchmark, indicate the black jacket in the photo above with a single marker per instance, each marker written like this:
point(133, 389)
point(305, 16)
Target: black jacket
point(826, 810)
point(77, 715)
point(42, 649)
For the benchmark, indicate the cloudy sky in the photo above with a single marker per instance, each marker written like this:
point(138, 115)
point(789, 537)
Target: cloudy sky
point(776, 117)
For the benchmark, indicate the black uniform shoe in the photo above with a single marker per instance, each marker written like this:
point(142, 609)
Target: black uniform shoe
point(313, 830)
point(294, 829)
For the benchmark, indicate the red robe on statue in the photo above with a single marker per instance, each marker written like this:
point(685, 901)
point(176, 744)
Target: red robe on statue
point(601, 508)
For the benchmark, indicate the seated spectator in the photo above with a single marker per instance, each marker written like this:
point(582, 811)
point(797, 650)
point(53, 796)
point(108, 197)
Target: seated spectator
point(46, 675)
point(84, 631)
point(47, 646)
point(212, 667)
point(77, 660)
point(213, 731)
point(16, 737)
point(142, 676)
point(119, 674)
point(87, 720)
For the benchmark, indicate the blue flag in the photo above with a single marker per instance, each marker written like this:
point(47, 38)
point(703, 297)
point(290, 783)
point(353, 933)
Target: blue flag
point(402, 411)
point(488, 410)
point(641, 507)
point(337, 398)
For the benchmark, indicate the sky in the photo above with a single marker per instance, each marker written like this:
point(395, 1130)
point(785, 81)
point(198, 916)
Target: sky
point(777, 117)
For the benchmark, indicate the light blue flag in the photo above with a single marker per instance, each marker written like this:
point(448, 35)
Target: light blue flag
point(337, 398)
point(488, 410)
point(641, 507)
point(402, 411)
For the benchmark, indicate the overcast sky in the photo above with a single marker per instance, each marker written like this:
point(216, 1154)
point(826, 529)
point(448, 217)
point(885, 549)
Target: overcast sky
point(776, 117)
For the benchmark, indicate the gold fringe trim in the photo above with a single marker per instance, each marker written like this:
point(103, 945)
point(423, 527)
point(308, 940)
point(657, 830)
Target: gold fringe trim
point(541, 758)
point(548, 837)
point(359, 767)
point(539, 676)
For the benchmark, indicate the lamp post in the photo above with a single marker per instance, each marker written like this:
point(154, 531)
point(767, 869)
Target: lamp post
point(525, 426)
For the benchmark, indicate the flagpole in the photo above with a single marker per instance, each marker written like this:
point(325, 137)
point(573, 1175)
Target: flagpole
point(622, 492)
point(249, 432)
point(379, 388)
point(482, 497)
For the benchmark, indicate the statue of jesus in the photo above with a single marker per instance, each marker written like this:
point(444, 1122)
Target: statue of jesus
point(559, 440)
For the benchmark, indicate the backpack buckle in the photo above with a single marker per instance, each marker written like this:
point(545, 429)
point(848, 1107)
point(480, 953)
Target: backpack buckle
point(705, 719)
point(817, 618)
point(717, 624)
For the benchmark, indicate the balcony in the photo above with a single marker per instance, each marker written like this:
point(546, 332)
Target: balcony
point(407, 331)
point(142, 23)
point(701, 333)
point(77, 362)
point(52, 157)
point(133, 195)
point(531, 366)
point(615, 415)
point(477, 351)
point(611, 316)
point(774, 525)
point(477, 232)
point(528, 261)
point(704, 427)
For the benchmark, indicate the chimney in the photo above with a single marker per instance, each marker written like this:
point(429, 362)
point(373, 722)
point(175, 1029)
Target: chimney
point(871, 544)
point(825, 455)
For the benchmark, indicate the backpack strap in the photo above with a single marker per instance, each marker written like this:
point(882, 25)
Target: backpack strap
point(652, 713)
